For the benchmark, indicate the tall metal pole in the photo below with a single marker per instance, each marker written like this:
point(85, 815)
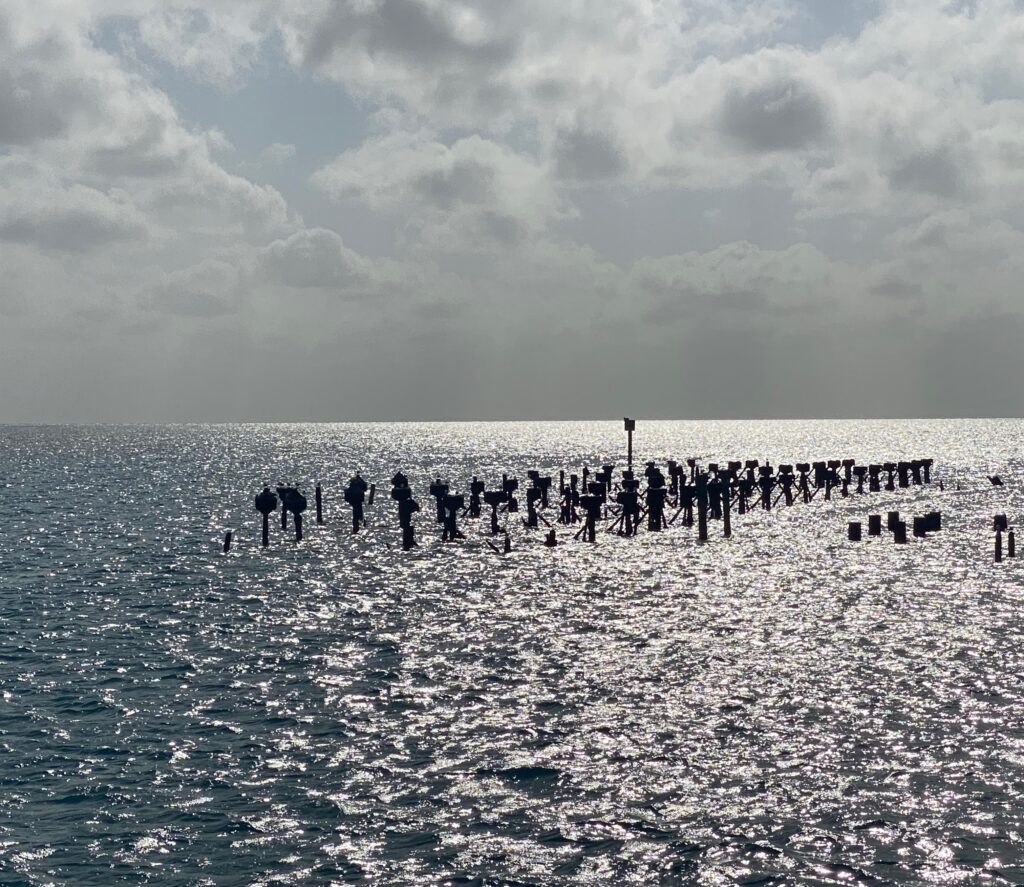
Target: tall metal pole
point(630, 426)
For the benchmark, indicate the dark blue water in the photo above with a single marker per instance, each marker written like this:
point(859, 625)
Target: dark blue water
point(782, 707)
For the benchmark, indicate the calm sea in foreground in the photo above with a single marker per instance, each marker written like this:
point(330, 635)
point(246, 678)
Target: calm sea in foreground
point(782, 707)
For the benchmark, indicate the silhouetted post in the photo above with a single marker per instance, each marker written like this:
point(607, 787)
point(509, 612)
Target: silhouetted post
point(727, 505)
point(476, 490)
point(803, 484)
point(830, 481)
point(656, 494)
point(848, 470)
point(702, 507)
point(751, 466)
point(874, 481)
point(453, 504)
point(860, 471)
point(903, 470)
point(1011, 544)
point(629, 499)
point(853, 531)
point(891, 521)
point(743, 489)
point(920, 527)
point(899, 533)
point(934, 521)
point(319, 504)
point(282, 493)
point(570, 499)
point(686, 494)
point(890, 469)
point(266, 502)
point(786, 479)
point(439, 489)
point(551, 540)
point(630, 428)
point(407, 507)
point(227, 542)
point(999, 546)
point(714, 492)
point(692, 463)
point(926, 465)
point(545, 487)
point(820, 473)
point(508, 543)
point(999, 522)
point(297, 505)
point(399, 484)
point(592, 503)
point(355, 495)
point(494, 498)
point(874, 525)
point(767, 484)
point(510, 485)
point(915, 471)
point(673, 473)
point(373, 492)
point(532, 498)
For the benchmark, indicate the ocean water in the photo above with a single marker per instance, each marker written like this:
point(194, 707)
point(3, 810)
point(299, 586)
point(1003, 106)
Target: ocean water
point(781, 707)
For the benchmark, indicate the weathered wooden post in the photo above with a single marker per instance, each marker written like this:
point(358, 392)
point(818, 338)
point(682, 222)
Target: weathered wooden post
point(874, 525)
point(319, 504)
point(266, 502)
point(702, 507)
point(853, 531)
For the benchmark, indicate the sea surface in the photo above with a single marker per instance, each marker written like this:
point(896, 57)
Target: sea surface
point(784, 707)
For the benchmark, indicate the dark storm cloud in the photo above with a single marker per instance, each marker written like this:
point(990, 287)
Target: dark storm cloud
point(894, 288)
point(780, 115)
point(409, 30)
point(583, 154)
point(464, 181)
point(70, 229)
point(941, 173)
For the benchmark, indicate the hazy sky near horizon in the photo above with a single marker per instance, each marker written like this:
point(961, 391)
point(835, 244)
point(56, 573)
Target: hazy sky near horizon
point(428, 209)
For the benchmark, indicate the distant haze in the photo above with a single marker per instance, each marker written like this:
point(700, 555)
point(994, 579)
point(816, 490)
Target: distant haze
point(427, 209)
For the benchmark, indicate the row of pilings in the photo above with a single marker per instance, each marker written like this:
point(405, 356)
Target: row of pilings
point(678, 491)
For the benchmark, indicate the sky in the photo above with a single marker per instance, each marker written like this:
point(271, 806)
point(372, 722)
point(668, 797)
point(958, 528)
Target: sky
point(343, 210)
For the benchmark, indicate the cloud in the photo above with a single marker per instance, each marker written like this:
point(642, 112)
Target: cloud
point(783, 114)
point(314, 258)
point(277, 154)
point(548, 189)
point(208, 289)
point(474, 184)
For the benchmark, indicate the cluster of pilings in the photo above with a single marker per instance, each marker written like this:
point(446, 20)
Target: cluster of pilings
point(922, 526)
point(685, 491)
point(1001, 525)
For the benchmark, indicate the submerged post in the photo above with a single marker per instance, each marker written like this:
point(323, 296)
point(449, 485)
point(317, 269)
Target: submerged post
point(266, 502)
